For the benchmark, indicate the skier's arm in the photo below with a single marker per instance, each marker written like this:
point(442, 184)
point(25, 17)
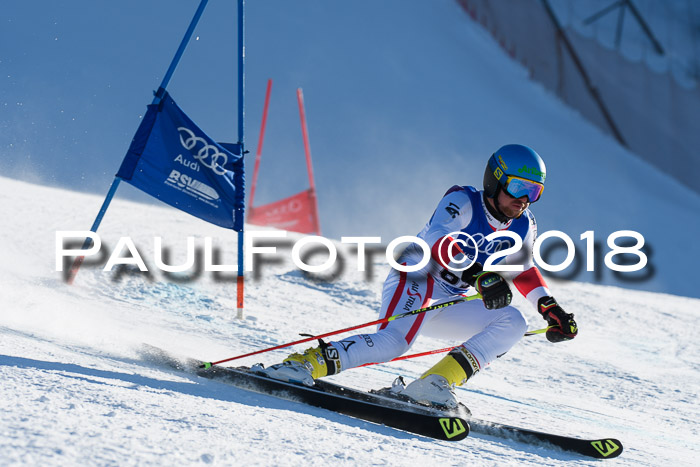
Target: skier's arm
point(532, 286)
point(529, 281)
point(453, 213)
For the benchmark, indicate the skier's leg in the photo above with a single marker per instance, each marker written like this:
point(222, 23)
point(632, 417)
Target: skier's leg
point(402, 292)
point(488, 333)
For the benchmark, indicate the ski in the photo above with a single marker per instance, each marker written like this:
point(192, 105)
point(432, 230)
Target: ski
point(340, 399)
point(383, 407)
point(605, 448)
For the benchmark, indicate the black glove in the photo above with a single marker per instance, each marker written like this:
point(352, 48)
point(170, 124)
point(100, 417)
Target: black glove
point(493, 288)
point(565, 327)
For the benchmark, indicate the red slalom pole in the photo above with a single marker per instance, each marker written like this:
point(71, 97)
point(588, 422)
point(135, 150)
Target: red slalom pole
point(309, 167)
point(258, 152)
point(352, 328)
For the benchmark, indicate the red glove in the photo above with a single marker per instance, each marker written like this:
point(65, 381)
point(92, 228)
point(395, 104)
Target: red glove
point(565, 327)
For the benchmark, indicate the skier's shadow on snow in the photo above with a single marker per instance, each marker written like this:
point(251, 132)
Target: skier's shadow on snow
point(197, 386)
point(202, 387)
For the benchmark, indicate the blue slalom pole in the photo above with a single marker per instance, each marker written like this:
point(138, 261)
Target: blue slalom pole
point(241, 142)
point(181, 50)
point(88, 241)
point(158, 96)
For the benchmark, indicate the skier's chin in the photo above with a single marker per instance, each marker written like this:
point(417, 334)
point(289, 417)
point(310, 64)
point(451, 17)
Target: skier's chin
point(513, 213)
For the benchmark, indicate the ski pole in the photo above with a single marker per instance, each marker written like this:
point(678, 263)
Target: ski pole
point(540, 331)
point(405, 357)
point(447, 349)
point(352, 328)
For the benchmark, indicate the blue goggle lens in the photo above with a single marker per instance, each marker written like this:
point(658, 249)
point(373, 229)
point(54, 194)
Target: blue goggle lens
point(519, 187)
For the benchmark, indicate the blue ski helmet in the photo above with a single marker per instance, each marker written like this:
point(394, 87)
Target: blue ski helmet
point(516, 169)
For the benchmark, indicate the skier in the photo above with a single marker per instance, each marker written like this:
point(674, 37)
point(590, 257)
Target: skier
point(489, 327)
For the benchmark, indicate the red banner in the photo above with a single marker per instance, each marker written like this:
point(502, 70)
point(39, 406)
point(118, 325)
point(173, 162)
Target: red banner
point(295, 214)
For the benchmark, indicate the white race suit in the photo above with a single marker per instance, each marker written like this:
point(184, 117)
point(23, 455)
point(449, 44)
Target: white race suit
point(486, 334)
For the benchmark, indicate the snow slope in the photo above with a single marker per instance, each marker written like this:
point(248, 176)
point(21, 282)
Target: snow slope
point(76, 390)
point(397, 114)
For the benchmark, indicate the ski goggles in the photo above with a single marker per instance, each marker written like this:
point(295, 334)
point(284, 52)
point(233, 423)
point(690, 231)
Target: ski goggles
point(518, 187)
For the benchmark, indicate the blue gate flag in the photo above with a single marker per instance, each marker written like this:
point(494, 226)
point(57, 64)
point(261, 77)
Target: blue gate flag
point(173, 160)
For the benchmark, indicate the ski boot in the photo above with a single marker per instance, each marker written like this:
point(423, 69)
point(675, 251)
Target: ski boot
point(314, 363)
point(436, 386)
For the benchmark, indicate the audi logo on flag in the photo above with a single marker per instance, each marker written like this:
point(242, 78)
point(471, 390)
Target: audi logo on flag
point(208, 155)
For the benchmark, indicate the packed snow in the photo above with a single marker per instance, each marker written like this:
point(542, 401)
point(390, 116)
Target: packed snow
point(78, 390)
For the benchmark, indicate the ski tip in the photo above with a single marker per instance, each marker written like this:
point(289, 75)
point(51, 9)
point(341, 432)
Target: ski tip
point(606, 448)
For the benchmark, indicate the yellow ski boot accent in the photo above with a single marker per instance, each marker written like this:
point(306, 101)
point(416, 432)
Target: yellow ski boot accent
point(449, 369)
point(456, 367)
point(304, 368)
point(313, 360)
